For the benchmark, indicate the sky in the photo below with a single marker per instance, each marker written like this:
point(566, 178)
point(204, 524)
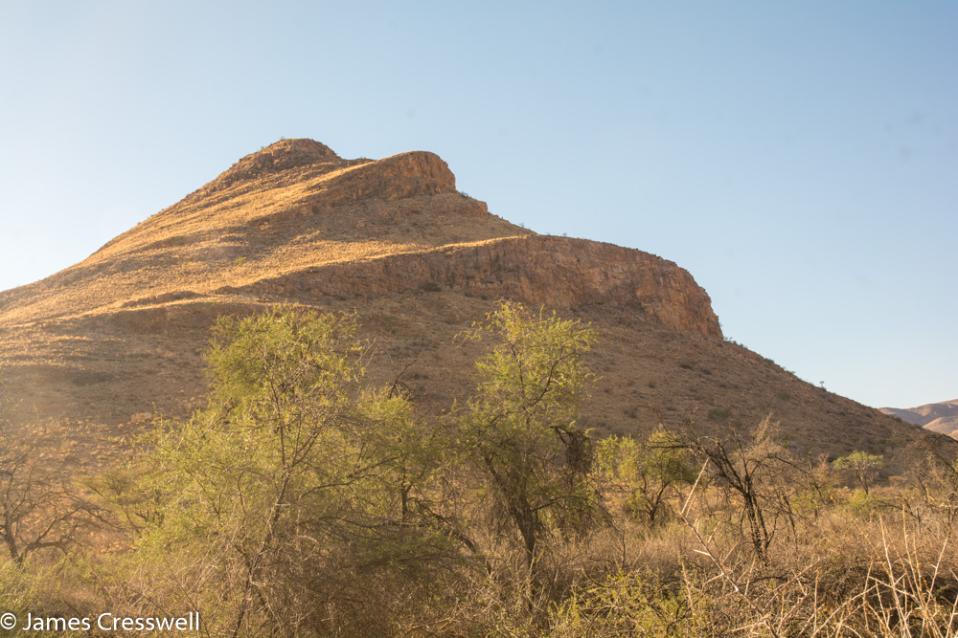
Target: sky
point(800, 159)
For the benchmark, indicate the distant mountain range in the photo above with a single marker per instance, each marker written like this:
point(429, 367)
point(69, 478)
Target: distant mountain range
point(937, 417)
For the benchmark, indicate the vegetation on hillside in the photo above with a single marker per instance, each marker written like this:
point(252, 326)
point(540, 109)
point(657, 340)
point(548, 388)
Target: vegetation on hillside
point(303, 501)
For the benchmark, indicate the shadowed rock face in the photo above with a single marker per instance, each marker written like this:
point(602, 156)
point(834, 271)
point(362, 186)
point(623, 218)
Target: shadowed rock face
point(121, 334)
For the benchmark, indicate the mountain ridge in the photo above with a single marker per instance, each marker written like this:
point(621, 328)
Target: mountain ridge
point(940, 417)
point(120, 335)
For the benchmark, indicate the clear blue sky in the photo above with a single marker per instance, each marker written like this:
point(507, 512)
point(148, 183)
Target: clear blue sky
point(801, 162)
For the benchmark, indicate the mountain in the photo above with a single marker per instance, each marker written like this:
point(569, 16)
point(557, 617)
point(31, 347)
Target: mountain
point(936, 417)
point(99, 347)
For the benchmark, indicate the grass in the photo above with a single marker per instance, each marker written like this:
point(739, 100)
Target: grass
point(839, 566)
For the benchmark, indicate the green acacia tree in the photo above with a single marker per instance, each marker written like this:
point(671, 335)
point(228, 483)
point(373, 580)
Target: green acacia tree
point(290, 500)
point(862, 465)
point(645, 470)
point(521, 429)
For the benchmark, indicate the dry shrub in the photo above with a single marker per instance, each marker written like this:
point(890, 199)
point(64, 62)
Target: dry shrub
point(840, 575)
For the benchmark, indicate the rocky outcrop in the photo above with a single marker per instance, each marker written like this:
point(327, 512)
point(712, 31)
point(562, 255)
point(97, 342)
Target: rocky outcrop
point(550, 271)
point(397, 177)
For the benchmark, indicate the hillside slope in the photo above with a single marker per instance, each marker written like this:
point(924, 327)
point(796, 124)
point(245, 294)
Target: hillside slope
point(100, 346)
point(935, 417)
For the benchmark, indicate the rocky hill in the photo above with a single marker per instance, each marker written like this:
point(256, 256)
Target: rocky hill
point(936, 417)
point(99, 347)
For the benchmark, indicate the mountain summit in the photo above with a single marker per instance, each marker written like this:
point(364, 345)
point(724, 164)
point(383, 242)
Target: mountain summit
point(294, 215)
point(119, 335)
point(276, 158)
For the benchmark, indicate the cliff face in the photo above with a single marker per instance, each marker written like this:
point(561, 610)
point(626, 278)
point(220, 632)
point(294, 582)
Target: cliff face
point(120, 334)
point(548, 271)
